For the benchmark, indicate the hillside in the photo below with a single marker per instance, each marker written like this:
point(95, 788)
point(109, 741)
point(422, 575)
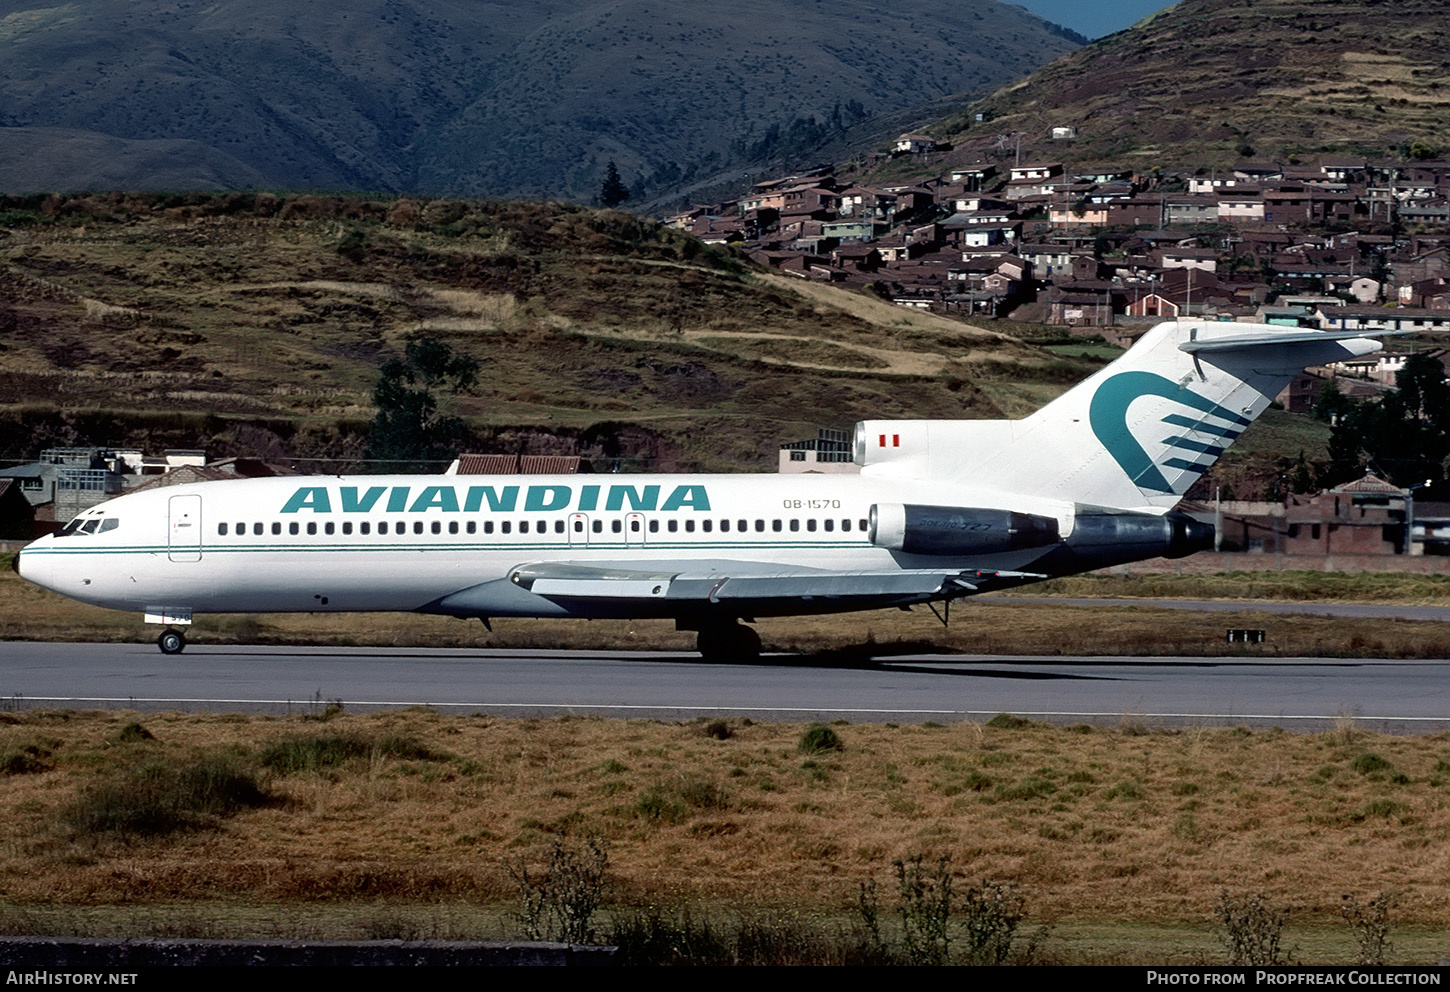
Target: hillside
point(1210, 82)
point(471, 98)
point(255, 324)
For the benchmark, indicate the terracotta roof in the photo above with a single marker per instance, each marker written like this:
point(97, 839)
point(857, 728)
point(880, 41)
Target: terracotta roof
point(488, 464)
point(549, 464)
point(1370, 484)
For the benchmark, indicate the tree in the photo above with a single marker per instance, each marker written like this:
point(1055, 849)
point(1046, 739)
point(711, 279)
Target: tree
point(408, 430)
point(1405, 436)
point(613, 192)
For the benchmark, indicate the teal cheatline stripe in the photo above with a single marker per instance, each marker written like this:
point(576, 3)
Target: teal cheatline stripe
point(1187, 445)
point(1200, 426)
point(1180, 463)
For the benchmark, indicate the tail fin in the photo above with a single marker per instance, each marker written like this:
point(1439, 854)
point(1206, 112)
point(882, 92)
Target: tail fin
point(1142, 430)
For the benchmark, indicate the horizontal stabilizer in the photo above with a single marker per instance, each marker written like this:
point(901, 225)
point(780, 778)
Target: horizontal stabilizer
point(1240, 342)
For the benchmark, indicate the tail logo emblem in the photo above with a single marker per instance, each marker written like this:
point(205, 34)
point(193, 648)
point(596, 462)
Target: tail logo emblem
point(1108, 418)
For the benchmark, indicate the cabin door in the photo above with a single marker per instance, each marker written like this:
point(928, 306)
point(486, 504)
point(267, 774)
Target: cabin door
point(184, 528)
point(578, 530)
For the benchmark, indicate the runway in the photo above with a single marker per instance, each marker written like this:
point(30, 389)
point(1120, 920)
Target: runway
point(1295, 693)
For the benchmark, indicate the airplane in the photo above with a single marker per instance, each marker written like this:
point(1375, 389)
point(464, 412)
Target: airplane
point(940, 510)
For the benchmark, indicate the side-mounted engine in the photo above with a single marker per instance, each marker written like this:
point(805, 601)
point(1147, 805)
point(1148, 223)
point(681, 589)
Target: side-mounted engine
point(1098, 536)
point(957, 530)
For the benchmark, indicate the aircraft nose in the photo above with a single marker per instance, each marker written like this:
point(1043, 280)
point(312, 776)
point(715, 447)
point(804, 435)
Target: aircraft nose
point(31, 568)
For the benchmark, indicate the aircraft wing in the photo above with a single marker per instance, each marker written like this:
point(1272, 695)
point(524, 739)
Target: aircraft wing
point(723, 586)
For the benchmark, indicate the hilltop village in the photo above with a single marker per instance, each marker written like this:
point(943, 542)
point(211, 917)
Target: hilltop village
point(1339, 243)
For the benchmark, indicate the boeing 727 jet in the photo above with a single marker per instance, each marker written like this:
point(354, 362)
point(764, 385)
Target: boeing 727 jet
point(940, 510)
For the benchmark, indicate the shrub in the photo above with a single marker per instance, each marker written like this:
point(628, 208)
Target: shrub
point(717, 729)
point(315, 752)
point(1371, 925)
point(1368, 763)
point(133, 732)
point(158, 799)
point(926, 907)
point(1252, 930)
point(25, 761)
point(818, 739)
point(560, 904)
point(992, 912)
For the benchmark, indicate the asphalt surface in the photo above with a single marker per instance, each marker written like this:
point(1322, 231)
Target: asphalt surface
point(1295, 693)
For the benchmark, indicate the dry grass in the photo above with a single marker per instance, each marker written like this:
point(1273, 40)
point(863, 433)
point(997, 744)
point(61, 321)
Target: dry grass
point(1115, 832)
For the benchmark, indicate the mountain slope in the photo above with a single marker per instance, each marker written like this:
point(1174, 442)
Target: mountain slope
point(1209, 81)
point(255, 324)
point(477, 98)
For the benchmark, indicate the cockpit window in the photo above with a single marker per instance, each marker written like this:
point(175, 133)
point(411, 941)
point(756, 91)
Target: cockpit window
point(110, 523)
point(90, 526)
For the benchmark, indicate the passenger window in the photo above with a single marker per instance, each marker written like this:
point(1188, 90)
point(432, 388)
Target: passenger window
point(724, 526)
point(364, 528)
point(830, 525)
point(312, 528)
point(472, 527)
point(417, 526)
point(616, 526)
point(578, 526)
point(328, 527)
point(654, 526)
point(634, 526)
point(759, 526)
point(523, 526)
point(241, 530)
point(437, 527)
point(257, 529)
point(506, 526)
point(689, 526)
point(863, 525)
point(811, 525)
point(706, 526)
point(672, 526)
point(221, 529)
point(488, 526)
point(558, 526)
point(277, 528)
point(775, 526)
point(598, 527)
point(382, 526)
point(795, 525)
point(347, 526)
point(453, 526)
point(292, 528)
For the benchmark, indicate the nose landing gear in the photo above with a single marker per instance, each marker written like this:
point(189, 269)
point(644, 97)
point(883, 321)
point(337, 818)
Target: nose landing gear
point(171, 642)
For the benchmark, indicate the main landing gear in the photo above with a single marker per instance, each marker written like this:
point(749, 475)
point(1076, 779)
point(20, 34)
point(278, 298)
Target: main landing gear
point(171, 642)
point(728, 642)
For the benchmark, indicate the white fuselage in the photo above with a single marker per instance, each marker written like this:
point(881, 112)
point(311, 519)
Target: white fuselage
point(383, 543)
